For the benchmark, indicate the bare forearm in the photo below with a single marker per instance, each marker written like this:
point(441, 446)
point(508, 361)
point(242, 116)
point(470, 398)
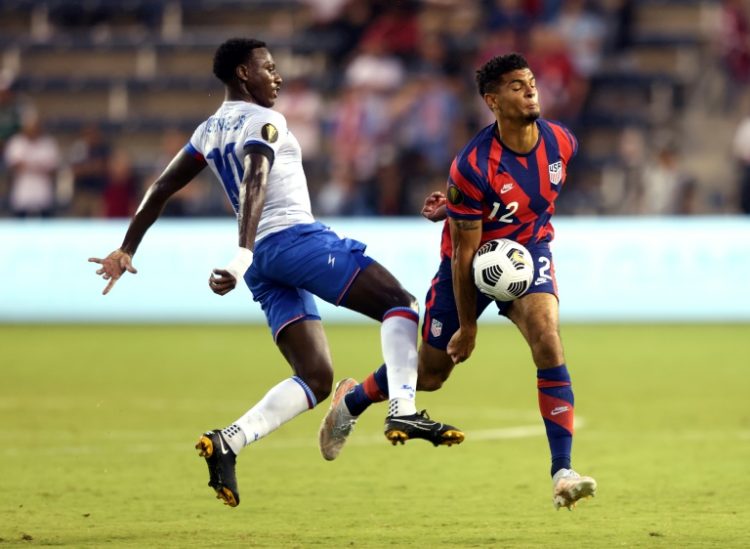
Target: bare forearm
point(252, 198)
point(466, 236)
point(464, 290)
point(148, 212)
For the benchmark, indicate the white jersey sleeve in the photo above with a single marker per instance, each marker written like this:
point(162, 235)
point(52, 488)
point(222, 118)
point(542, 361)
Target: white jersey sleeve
point(195, 145)
point(265, 134)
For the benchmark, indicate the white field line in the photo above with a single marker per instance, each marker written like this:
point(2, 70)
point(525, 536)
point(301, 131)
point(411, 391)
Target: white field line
point(272, 443)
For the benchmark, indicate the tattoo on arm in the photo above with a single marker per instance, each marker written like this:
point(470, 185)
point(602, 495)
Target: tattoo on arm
point(468, 224)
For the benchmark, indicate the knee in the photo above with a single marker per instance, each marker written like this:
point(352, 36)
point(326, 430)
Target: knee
point(433, 370)
point(547, 349)
point(399, 297)
point(319, 378)
point(430, 382)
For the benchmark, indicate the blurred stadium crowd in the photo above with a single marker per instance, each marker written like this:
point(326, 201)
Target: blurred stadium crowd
point(97, 96)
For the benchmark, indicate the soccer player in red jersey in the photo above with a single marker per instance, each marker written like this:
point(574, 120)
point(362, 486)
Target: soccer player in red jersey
point(503, 184)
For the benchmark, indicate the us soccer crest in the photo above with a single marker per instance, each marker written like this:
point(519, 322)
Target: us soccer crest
point(555, 172)
point(436, 328)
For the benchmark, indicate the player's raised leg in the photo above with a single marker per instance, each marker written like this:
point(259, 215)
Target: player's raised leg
point(377, 294)
point(305, 347)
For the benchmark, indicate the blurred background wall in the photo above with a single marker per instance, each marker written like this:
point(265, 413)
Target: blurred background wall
point(96, 96)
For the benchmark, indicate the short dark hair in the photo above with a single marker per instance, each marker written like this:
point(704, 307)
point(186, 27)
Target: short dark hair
point(489, 74)
point(232, 53)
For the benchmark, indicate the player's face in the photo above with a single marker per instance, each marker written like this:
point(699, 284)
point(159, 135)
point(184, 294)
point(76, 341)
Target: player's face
point(263, 81)
point(517, 97)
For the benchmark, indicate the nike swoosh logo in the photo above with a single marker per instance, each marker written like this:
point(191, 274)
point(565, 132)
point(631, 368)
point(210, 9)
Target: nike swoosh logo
point(221, 442)
point(559, 410)
point(414, 424)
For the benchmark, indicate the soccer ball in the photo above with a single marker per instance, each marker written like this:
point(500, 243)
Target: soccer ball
point(503, 269)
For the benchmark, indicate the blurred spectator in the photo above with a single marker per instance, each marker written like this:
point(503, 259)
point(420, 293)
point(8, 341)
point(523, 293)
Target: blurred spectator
point(504, 40)
point(741, 150)
point(461, 26)
point(395, 29)
point(624, 19)
point(584, 32)
point(89, 156)
point(510, 14)
point(426, 113)
point(11, 111)
point(33, 158)
point(622, 181)
point(340, 195)
point(325, 11)
point(361, 127)
point(434, 55)
point(375, 68)
point(339, 27)
point(667, 189)
point(734, 36)
point(302, 105)
point(562, 90)
point(122, 189)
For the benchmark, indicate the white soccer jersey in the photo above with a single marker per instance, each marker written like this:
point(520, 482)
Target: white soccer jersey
point(222, 140)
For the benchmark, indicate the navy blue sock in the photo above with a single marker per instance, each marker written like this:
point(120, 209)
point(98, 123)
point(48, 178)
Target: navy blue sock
point(556, 405)
point(373, 389)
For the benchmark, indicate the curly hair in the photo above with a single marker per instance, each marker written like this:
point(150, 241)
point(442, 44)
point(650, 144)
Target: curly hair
point(489, 74)
point(231, 53)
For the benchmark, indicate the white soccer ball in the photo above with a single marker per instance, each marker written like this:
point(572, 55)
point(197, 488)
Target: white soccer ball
point(503, 269)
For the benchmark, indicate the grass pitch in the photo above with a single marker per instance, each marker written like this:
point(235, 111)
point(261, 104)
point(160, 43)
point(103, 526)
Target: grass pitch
point(99, 423)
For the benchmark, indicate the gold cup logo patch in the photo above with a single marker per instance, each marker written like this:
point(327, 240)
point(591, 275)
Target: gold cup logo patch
point(454, 195)
point(269, 133)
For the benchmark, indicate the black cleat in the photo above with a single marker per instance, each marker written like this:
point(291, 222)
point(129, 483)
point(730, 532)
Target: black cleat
point(402, 428)
point(220, 460)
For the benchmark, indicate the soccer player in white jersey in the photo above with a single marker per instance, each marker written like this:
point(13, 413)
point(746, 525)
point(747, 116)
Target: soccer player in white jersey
point(285, 257)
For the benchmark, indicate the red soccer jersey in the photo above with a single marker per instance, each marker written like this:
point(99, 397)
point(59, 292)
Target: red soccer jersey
point(513, 194)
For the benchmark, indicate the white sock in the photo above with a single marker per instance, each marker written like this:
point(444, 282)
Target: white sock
point(283, 402)
point(398, 336)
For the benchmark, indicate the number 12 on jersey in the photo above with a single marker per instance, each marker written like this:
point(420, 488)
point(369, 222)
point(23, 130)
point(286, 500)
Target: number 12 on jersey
point(507, 217)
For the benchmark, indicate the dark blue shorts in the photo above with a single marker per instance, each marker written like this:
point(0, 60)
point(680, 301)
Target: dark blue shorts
point(441, 315)
point(291, 266)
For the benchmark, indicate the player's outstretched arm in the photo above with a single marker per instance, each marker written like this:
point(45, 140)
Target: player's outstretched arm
point(434, 207)
point(181, 170)
point(466, 236)
point(252, 198)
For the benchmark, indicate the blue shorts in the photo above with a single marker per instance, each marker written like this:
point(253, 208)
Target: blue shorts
point(441, 315)
point(292, 265)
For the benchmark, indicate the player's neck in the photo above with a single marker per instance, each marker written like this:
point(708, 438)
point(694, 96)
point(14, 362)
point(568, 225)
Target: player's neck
point(519, 137)
point(232, 94)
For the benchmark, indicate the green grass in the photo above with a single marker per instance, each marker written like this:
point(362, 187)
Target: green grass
point(98, 427)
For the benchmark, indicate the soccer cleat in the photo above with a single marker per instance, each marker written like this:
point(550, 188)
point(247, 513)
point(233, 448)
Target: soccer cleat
point(568, 487)
point(220, 460)
point(338, 423)
point(402, 428)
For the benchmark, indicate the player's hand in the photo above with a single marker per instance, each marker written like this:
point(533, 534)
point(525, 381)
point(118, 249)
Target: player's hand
point(434, 207)
point(113, 266)
point(221, 282)
point(461, 345)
